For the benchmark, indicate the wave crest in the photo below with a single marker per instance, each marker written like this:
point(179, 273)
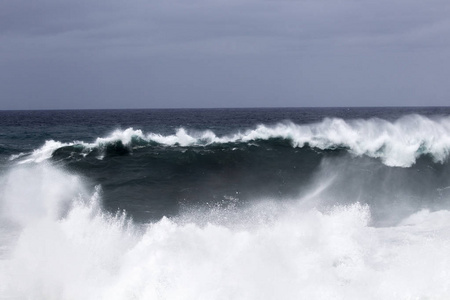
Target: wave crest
point(396, 144)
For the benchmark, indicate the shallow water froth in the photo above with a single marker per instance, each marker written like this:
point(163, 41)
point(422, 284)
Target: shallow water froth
point(270, 250)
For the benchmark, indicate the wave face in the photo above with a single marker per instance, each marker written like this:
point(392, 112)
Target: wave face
point(239, 204)
point(397, 144)
point(194, 167)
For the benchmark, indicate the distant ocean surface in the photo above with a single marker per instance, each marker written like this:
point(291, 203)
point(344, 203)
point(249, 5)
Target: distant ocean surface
point(288, 203)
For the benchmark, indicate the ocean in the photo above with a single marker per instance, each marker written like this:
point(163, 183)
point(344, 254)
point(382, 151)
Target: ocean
point(268, 203)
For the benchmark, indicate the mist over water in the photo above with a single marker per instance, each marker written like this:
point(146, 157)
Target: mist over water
point(249, 215)
point(265, 250)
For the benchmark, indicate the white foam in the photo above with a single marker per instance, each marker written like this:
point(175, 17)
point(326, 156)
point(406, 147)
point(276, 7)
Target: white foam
point(16, 156)
point(125, 137)
point(268, 251)
point(397, 143)
point(46, 151)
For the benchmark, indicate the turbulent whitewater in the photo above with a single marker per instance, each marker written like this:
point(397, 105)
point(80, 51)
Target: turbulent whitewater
point(225, 204)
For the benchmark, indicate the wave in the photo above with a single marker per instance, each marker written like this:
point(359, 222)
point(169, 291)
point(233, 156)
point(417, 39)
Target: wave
point(59, 243)
point(397, 143)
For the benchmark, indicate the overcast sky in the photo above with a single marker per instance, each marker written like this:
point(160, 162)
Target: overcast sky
point(57, 54)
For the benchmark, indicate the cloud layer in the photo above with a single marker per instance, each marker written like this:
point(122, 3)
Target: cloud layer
point(217, 53)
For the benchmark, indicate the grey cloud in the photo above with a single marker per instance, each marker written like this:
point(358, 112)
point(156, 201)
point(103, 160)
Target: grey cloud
point(148, 23)
point(210, 53)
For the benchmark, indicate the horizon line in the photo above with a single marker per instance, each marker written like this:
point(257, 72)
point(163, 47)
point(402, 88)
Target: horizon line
point(230, 108)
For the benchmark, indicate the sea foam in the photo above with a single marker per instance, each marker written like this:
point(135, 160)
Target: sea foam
point(69, 247)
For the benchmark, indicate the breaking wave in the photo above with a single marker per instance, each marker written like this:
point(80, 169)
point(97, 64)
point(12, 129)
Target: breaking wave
point(59, 243)
point(397, 143)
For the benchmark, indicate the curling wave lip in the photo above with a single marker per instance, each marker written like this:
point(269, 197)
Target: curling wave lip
point(396, 144)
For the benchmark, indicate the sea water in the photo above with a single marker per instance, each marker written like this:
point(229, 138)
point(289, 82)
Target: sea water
point(344, 203)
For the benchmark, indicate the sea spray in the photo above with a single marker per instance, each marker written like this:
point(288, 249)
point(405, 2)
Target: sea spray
point(277, 250)
point(65, 245)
